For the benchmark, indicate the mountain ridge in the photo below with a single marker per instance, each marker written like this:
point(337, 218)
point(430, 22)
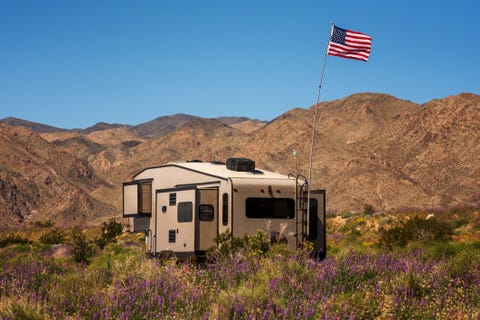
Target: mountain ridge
point(157, 126)
point(369, 149)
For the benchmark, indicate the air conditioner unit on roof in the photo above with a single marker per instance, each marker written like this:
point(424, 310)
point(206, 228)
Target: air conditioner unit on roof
point(240, 164)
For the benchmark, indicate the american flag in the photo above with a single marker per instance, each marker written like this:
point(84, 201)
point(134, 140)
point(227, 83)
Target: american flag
point(349, 44)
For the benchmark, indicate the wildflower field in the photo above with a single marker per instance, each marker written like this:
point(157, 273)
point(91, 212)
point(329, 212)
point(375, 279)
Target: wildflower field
point(378, 266)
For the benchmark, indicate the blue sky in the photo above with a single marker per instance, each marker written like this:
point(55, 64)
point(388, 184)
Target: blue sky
point(71, 64)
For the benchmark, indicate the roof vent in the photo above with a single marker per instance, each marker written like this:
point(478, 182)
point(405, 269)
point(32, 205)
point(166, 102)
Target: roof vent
point(240, 164)
point(194, 161)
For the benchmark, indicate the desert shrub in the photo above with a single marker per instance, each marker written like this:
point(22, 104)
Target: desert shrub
point(384, 220)
point(10, 239)
point(257, 243)
point(82, 249)
point(345, 214)
point(461, 258)
point(354, 235)
point(415, 229)
point(53, 236)
point(429, 229)
point(451, 250)
point(225, 245)
point(368, 209)
point(283, 250)
point(44, 224)
point(393, 237)
point(251, 245)
point(110, 231)
point(463, 264)
point(101, 242)
point(457, 223)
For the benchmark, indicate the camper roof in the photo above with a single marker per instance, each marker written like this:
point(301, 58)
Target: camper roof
point(219, 169)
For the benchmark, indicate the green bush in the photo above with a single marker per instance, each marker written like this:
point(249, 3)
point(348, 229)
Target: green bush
point(110, 231)
point(53, 236)
point(258, 243)
point(457, 223)
point(44, 224)
point(82, 249)
point(368, 209)
point(253, 245)
point(464, 263)
point(354, 235)
point(415, 229)
point(225, 244)
point(10, 239)
point(345, 214)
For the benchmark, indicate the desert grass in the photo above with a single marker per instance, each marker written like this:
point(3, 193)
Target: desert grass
point(359, 279)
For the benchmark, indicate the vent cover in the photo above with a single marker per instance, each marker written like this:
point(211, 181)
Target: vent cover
point(171, 236)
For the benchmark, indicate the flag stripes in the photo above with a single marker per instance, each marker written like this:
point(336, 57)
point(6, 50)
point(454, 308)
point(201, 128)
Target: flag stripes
point(349, 44)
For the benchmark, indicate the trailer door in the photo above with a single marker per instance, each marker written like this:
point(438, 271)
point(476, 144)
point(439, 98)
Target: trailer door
point(317, 232)
point(206, 221)
point(175, 223)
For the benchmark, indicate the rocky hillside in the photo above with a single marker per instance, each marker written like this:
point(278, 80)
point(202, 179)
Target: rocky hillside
point(39, 180)
point(369, 149)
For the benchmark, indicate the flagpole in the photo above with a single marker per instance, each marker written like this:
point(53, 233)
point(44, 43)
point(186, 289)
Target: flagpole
point(315, 119)
point(317, 103)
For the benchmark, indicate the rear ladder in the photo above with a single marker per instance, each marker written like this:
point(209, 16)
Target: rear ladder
point(301, 203)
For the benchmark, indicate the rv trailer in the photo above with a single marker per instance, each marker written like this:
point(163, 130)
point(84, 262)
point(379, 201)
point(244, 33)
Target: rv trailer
point(183, 206)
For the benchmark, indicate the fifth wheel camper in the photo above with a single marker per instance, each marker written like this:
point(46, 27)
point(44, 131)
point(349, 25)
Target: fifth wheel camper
point(183, 206)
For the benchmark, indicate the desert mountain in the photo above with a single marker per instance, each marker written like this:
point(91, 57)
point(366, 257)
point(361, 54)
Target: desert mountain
point(166, 124)
point(369, 149)
point(39, 179)
point(34, 126)
point(100, 126)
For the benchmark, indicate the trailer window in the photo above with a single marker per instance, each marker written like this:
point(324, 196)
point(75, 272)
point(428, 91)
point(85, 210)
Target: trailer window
point(145, 198)
point(312, 220)
point(276, 208)
point(185, 212)
point(225, 209)
point(206, 212)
